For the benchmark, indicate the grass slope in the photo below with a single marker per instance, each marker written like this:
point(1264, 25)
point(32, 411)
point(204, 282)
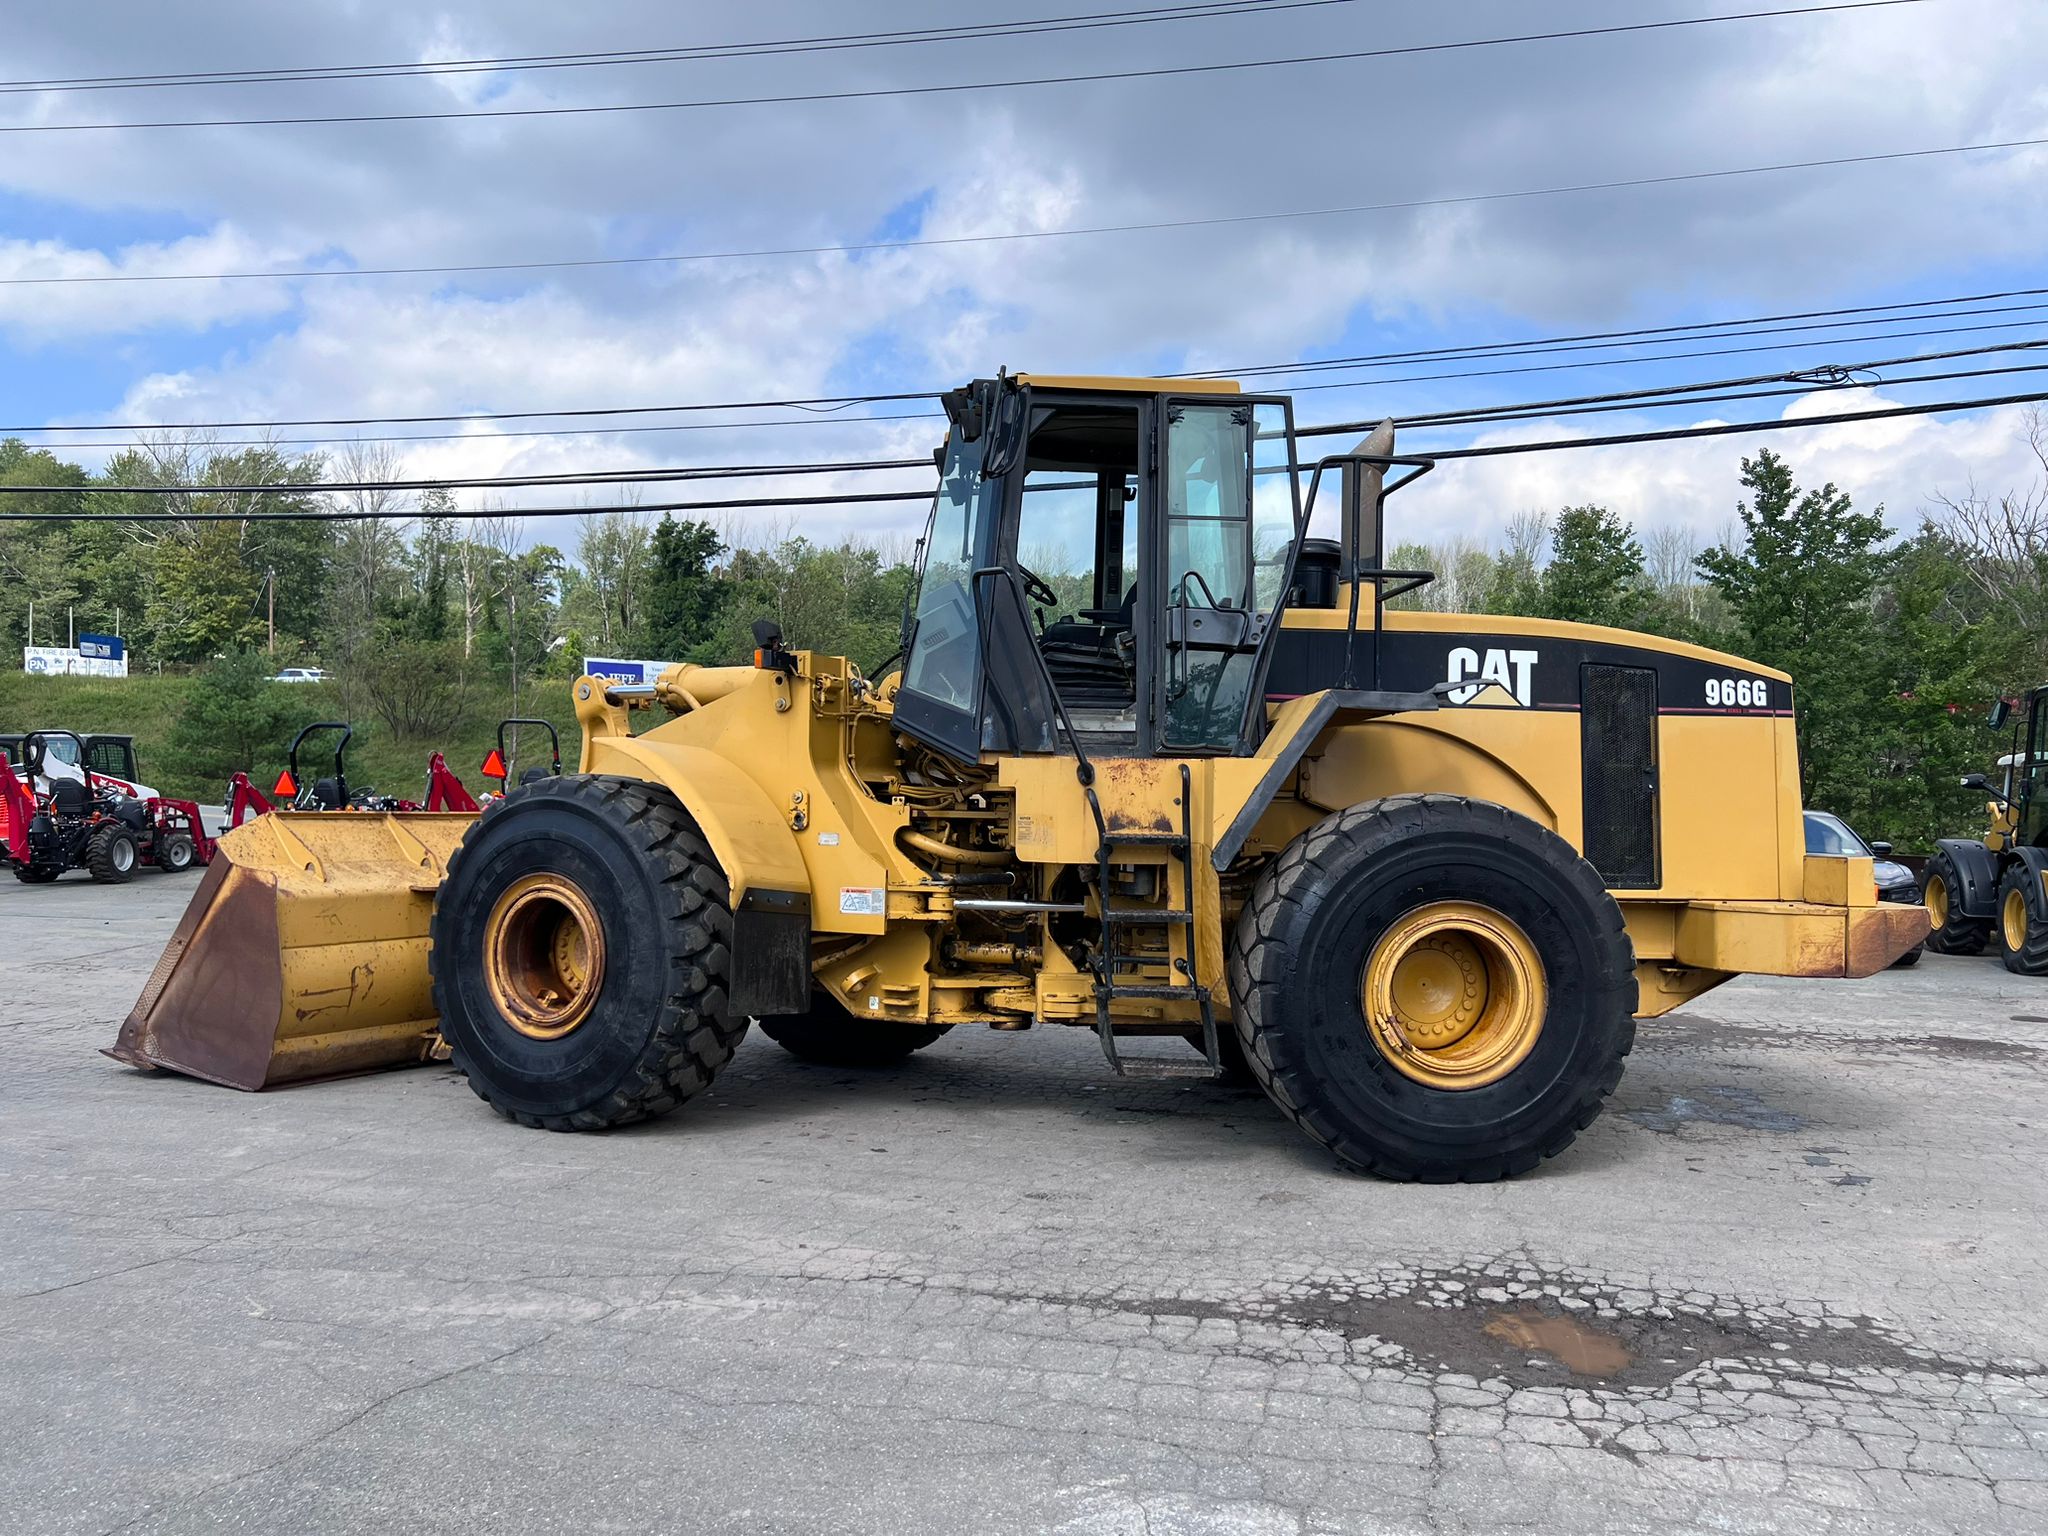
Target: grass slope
point(147, 709)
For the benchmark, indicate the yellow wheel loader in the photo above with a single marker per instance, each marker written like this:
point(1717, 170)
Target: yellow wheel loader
point(1158, 762)
point(1996, 891)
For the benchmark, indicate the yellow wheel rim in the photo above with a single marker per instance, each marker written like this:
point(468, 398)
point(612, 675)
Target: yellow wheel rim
point(2013, 916)
point(544, 956)
point(1454, 995)
point(1937, 901)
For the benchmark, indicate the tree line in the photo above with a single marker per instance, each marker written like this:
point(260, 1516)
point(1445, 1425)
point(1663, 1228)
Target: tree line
point(1897, 645)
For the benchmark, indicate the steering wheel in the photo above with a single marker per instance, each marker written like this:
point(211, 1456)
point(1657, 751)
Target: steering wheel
point(1037, 588)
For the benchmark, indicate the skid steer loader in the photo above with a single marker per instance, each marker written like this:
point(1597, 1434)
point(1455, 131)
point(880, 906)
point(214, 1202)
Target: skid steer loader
point(1157, 763)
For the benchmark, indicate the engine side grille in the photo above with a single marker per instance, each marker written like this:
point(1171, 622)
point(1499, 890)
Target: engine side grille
point(1618, 772)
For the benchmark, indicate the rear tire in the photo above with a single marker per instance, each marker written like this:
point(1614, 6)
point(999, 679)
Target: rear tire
point(646, 1023)
point(111, 855)
point(2021, 927)
point(1910, 958)
point(1941, 889)
point(1497, 1047)
point(829, 1036)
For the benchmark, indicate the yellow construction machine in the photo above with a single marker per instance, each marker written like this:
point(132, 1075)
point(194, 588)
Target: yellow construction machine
point(1158, 762)
point(1996, 891)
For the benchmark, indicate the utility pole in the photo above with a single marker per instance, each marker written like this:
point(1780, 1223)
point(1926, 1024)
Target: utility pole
point(70, 629)
point(270, 585)
point(31, 621)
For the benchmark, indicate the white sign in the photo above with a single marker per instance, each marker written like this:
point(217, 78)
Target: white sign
point(623, 673)
point(61, 661)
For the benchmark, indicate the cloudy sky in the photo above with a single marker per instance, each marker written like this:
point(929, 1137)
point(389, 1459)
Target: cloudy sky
point(1425, 127)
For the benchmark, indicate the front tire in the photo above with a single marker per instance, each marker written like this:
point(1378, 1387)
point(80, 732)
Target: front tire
point(580, 955)
point(111, 855)
point(2021, 927)
point(175, 853)
point(1434, 988)
point(1941, 888)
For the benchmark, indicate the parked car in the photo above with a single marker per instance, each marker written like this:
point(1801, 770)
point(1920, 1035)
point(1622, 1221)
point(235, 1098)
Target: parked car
point(1828, 835)
point(300, 675)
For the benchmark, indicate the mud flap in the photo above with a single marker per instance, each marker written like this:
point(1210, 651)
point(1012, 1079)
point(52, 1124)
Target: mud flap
point(302, 954)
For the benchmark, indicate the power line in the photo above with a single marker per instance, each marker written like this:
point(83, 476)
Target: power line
point(1491, 450)
point(1649, 336)
point(1078, 231)
point(839, 402)
point(810, 402)
point(1498, 415)
point(470, 482)
point(680, 53)
point(956, 88)
point(1536, 342)
point(1665, 357)
point(1833, 376)
point(496, 437)
point(464, 515)
point(1738, 428)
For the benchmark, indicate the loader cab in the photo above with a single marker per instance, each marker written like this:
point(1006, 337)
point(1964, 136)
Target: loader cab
point(2026, 784)
point(1108, 556)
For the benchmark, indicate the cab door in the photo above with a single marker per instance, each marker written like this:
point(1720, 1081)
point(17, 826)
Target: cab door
point(1228, 516)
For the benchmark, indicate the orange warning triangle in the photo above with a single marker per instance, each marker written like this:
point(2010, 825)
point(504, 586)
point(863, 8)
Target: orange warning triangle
point(494, 765)
point(284, 785)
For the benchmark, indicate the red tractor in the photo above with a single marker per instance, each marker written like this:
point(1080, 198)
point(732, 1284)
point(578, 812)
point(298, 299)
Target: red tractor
point(444, 791)
point(82, 818)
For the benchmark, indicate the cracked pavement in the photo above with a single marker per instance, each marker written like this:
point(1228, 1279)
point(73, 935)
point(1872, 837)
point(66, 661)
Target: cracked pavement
point(1792, 1281)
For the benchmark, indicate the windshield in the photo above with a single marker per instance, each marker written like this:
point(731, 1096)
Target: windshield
point(1829, 836)
point(945, 648)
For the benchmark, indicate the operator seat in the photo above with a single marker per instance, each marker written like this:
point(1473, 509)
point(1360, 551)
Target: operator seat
point(1082, 655)
point(68, 797)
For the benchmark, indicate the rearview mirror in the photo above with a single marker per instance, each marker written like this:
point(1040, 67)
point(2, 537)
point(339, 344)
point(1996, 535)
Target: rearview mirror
point(1880, 850)
point(2000, 713)
point(1975, 781)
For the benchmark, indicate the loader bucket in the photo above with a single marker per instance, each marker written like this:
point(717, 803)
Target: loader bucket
point(303, 953)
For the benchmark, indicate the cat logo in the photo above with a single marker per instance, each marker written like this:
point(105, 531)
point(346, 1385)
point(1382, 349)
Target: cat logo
point(1513, 670)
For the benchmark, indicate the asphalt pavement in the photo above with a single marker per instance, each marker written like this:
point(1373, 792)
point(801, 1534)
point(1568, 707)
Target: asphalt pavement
point(1792, 1281)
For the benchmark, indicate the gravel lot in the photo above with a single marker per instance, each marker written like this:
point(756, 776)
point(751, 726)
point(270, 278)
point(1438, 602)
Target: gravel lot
point(1791, 1282)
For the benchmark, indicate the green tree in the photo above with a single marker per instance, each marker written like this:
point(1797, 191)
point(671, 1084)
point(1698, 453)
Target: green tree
point(37, 561)
point(685, 598)
point(1515, 584)
point(233, 718)
point(1595, 575)
point(1800, 588)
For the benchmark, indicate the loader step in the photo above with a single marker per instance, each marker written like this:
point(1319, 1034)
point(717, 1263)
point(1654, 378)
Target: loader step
point(1163, 1068)
point(1147, 915)
point(1118, 839)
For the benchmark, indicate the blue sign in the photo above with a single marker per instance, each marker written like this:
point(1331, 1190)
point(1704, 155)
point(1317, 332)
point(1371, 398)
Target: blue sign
point(102, 647)
point(623, 672)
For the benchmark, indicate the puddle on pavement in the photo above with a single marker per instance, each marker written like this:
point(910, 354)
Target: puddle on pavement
point(1583, 1350)
point(1718, 1105)
point(1528, 1326)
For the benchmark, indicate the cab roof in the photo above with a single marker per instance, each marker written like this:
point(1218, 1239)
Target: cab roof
point(1120, 384)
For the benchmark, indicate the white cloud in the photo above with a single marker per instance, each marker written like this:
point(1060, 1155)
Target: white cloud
point(1693, 484)
point(41, 312)
point(1115, 153)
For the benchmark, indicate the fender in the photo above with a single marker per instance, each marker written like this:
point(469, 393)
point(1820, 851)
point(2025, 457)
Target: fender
point(1977, 871)
point(752, 841)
